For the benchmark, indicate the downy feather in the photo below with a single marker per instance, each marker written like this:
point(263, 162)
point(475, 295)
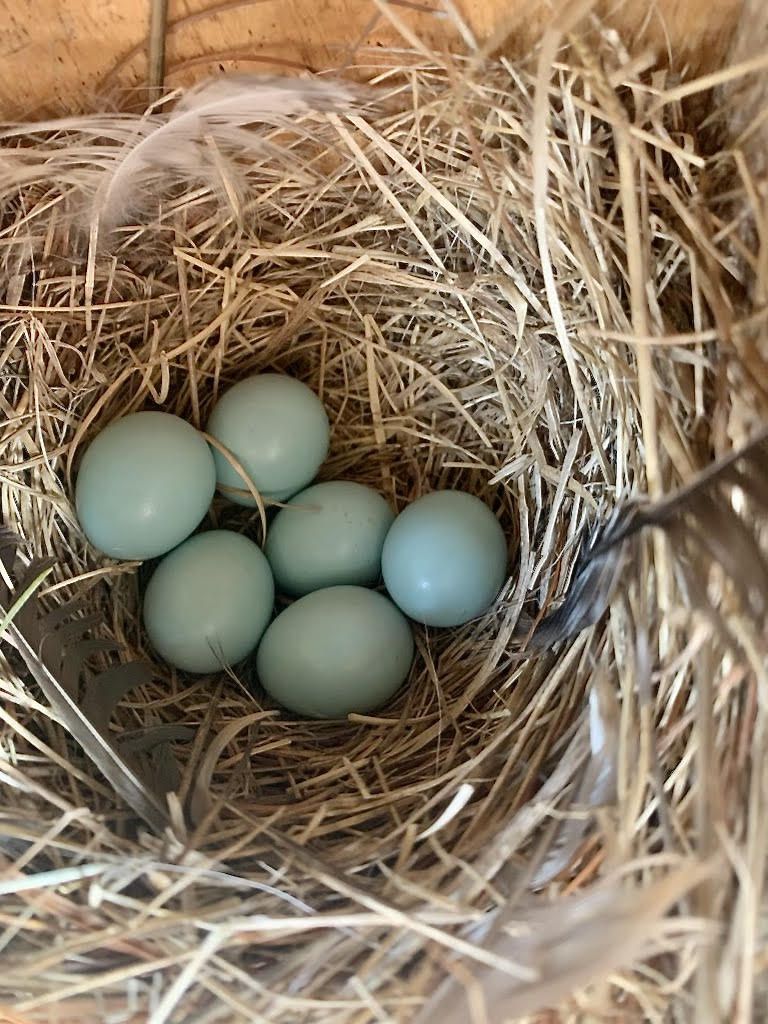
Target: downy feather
point(118, 160)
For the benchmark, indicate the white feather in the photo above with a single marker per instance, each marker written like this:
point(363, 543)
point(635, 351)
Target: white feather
point(212, 110)
point(128, 158)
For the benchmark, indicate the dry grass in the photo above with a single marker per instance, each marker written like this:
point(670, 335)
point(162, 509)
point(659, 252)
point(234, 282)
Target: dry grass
point(539, 285)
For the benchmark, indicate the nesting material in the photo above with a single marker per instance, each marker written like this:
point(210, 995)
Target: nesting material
point(536, 284)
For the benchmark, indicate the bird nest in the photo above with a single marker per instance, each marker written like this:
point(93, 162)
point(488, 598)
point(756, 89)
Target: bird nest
point(534, 281)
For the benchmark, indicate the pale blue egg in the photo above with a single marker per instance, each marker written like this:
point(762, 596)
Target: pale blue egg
point(335, 652)
point(445, 559)
point(209, 602)
point(144, 485)
point(328, 535)
point(278, 431)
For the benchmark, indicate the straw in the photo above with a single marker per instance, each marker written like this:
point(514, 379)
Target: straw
point(530, 280)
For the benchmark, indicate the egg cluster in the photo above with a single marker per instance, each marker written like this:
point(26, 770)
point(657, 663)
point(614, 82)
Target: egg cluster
point(146, 482)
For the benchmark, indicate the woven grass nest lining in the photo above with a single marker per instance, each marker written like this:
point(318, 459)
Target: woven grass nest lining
point(394, 262)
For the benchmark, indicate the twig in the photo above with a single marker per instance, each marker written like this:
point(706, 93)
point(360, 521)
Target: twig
point(156, 58)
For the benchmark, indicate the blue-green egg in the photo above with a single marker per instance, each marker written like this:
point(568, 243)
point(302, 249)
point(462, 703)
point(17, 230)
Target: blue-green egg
point(328, 535)
point(445, 559)
point(144, 484)
point(278, 431)
point(209, 602)
point(335, 652)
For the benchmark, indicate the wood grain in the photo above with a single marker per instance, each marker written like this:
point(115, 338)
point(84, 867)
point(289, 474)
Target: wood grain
point(57, 55)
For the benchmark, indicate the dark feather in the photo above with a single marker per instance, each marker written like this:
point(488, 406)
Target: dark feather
point(730, 542)
point(53, 643)
point(153, 745)
point(103, 694)
point(138, 741)
point(61, 613)
point(702, 514)
point(55, 650)
point(593, 583)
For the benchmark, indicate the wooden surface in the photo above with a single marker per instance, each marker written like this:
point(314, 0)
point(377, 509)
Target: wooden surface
point(56, 55)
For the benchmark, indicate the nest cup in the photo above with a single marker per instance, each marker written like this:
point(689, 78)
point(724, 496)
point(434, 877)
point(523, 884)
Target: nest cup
point(495, 284)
